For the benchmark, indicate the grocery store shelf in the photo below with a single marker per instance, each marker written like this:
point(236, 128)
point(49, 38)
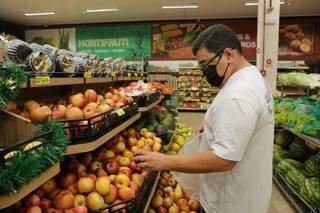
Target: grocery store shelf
point(163, 73)
point(147, 108)
point(192, 109)
point(181, 74)
point(295, 199)
point(189, 67)
point(8, 200)
point(310, 140)
point(151, 193)
point(294, 94)
point(98, 80)
point(56, 82)
point(90, 146)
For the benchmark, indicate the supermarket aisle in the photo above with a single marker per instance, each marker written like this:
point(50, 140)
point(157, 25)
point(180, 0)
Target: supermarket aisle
point(278, 204)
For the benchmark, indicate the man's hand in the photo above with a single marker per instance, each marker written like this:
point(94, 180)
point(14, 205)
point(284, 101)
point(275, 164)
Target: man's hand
point(199, 131)
point(153, 161)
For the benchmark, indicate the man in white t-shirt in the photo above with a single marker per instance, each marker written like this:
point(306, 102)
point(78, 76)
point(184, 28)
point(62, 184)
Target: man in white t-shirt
point(235, 156)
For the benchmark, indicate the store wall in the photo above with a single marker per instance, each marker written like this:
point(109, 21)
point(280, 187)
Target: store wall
point(12, 29)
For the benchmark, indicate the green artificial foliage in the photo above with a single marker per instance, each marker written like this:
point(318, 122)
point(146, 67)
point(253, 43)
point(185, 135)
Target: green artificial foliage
point(11, 79)
point(25, 166)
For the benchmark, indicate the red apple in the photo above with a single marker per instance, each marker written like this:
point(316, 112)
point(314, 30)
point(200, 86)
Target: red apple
point(108, 95)
point(94, 201)
point(81, 170)
point(109, 102)
point(126, 193)
point(52, 194)
point(79, 200)
point(80, 209)
point(85, 185)
point(93, 105)
point(86, 158)
point(63, 200)
point(88, 112)
point(112, 167)
point(137, 178)
point(31, 105)
point(25, 115)
point(194, 205)
point(45, 203)
point(121, 146)
point(40, 193)
point(104, 108)
point(133, 185)
point(57, 115)
point(99, 154)
point(95, 165)
point(91, 95)
point(73, 188)
point(119, 104)
point(121, 180)
point(50, 210)
point(102, 185)
point(162, 209)
point(123, 161)
point(132, 141)
point(33, 200)
point(133, 166)
point(128, 154)
point(92, 176)
point(67, 179)
point(40, 114)
point(101, 172)
point(126, 171)
point(112, 196)
point(109, 154)
point(33, 209)
point(100, 99)
point(78, 100)
point(74, 113)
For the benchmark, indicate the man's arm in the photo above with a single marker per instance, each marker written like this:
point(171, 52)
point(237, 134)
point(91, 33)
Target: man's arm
point(203, 162)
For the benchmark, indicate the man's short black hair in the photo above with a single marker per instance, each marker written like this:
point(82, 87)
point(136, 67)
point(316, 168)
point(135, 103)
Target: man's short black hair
point(216, 38)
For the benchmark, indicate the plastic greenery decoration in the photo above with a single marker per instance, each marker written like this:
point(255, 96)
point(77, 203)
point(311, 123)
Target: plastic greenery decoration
point(24, 166)
point(11, 79)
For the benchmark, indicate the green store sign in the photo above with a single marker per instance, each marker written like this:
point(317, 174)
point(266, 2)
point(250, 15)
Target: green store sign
point(131, 41)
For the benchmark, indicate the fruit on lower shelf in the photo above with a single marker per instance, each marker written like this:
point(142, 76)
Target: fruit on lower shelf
point(94, 201)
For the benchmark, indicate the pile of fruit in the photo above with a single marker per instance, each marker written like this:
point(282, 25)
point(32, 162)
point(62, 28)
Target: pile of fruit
point(299, 166)
point(301, 114)
point(76, 106)
point(91, 181)
point(170, 197)
point(158, 120)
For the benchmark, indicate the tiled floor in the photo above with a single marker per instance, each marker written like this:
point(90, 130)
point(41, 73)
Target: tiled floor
point(278, 202)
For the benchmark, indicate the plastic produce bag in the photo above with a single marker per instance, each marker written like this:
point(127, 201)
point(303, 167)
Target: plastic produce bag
point(190, 182)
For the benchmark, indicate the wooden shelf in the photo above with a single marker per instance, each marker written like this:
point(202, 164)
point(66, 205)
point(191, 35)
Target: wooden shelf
point(58, 82)
point(147, 108)
point(310, 140)
point(192, 109)
point(8, 200)
point(90, 146)
point(98, 80)
point(151, 193)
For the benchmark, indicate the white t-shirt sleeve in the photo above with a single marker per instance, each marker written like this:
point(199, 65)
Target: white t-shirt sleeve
point(234, 121)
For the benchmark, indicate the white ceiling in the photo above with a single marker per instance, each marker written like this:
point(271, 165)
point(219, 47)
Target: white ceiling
point(71, 11)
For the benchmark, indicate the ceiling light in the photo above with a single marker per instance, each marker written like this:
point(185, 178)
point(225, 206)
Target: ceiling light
point(256, 3)
point(40, 14)
point(180, 6)
point(102, 10)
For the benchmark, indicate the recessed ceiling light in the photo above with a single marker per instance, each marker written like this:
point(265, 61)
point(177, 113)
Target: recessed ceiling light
point(102, 10)
point(256, 3)
point(40, 14)
point(180, 6)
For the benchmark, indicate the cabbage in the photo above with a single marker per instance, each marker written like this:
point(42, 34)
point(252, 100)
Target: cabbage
point(283, 138)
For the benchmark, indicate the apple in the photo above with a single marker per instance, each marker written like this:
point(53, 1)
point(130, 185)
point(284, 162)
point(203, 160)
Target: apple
point(33, 200)
point(94, 201)
point(104, 108)
point(25, 115)
point(115, 98)
point(172, 182)
point(11, 106)
point(126, 171)
point(168, 191)
point(126, 193)
point(60, 107)
point(134, 148)
point(133, 166)
point(162, 209)
point(109, 102)
point(149, 135)
point(81, 170)
point(95, 165)
point(137, 178)
point(117, 158)
point(112, 167)
point(124, 161)
point(143, 131)
point(108, 95)
point(52, 194)
point(80, 209)
point(67, 180)
point(79, 200)
point(63, 200)
point(109, 154)
point(140, 143)
point(166, 175)
point(119, 104)
point(174, 209)
point(194, 205)
point(111, 177)
point(88, 111)
point(33, 209)
point(51, 210)
point(73, 188)
point(102, 185)
point(31, 105)
point(91, 95)
point(181, 201)
point(175, 147)
point(156, 201)
point(133, 185)
point(74, 113)
point(85, 185)
point(40, 114)
point(57, 115)
point(151, 210)
point(99, 154)
point(121, 180)
point(144, 173)
point(101, 172)
point(78, 100)
point(121, 146)
point(112, 196)
point(167, 202)
point(147, 147)
point(86, 158)
point(128, 154)
point(93, 105)
point(92, 176)
point(156, 147)
point(45, 203)
point(163, 182)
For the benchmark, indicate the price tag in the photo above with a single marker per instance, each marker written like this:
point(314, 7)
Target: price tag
point(42, 80)
point(129, 74)
point(113, 74)
point(135, 74)
point(87, 74)
point(120, 112)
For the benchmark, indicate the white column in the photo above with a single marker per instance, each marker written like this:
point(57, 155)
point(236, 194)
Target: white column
point(268, 39)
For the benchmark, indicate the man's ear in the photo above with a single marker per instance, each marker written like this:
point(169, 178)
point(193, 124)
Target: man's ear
point(230, 54)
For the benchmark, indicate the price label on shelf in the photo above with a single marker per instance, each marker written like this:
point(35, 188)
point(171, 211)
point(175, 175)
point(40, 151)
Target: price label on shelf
point(87, 74)
point(129, 74)
point(120, 112)
point(113, 74)
point(135, 74)
point(42, 80)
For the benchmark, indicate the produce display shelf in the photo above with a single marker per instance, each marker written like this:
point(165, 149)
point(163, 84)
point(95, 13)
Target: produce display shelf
point(294, 94)
point(55, 81)
point(98, 80)
point(88, 147)
point(311, 140)
point(189, 67)
point(163, 73)
point(192, 109)
point(150, 194)
point(8, 200)
point(181, 74)
point(147, 108)
point(295, 199)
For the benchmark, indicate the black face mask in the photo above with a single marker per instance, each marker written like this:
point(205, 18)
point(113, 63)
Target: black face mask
point(211, 74)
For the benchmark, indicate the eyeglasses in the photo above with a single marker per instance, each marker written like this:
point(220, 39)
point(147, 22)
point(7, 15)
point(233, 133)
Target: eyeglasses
point(205, 66)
